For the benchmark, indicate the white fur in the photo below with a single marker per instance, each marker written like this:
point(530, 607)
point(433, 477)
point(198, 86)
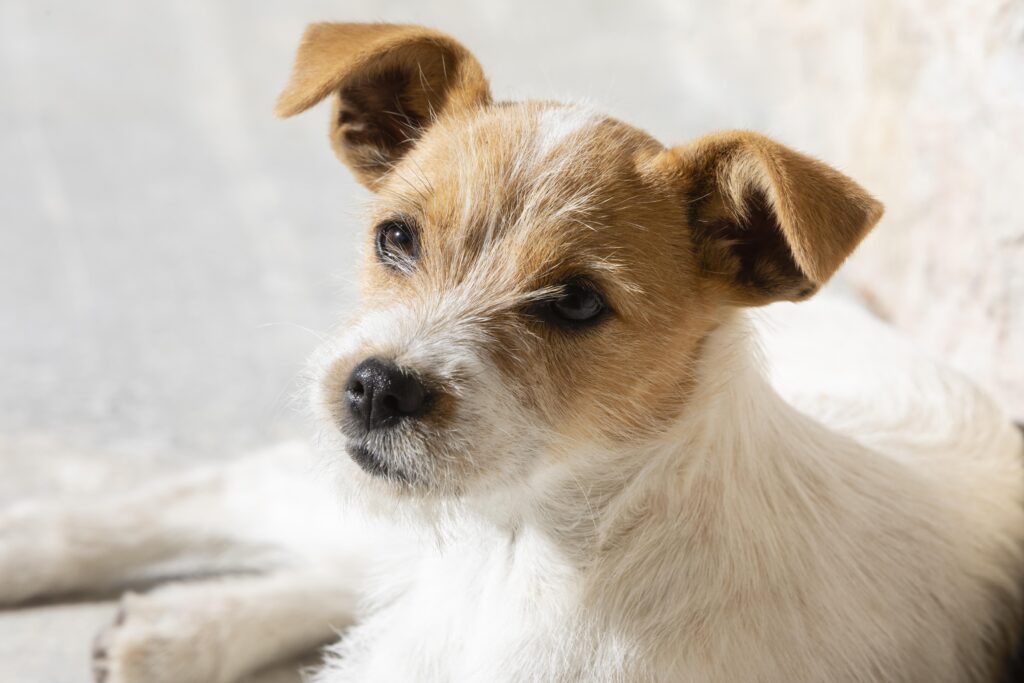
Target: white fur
point(832, 507)
point(862, 539)
point(558, 125)
point(753, 543)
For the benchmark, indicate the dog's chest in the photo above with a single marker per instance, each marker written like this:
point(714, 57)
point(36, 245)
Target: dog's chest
point(486, 611)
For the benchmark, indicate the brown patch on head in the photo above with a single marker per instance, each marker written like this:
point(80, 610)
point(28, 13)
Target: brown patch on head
point(513, 202)
point(510, 203)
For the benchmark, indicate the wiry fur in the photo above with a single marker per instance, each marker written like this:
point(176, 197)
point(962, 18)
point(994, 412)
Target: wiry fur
point(775, 549)
point(655, 498)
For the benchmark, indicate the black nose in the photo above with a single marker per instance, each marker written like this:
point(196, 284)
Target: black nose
point(380, 394)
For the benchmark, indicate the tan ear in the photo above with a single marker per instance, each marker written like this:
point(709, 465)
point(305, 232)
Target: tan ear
point(769, 223)
point(389, 83)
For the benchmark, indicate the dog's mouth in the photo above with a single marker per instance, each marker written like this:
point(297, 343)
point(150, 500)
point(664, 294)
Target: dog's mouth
point(374, 463)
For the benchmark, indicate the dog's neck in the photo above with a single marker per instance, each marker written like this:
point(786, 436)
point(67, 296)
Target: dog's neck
point(733, 421)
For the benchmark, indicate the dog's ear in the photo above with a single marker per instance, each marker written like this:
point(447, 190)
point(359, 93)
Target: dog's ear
point(389, 83)
point(768, 223)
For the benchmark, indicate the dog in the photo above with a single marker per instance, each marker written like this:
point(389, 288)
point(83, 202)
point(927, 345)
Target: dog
point(570, 442)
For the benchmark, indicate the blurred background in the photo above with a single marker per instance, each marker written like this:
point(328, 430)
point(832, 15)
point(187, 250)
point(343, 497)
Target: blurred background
point(169, 251)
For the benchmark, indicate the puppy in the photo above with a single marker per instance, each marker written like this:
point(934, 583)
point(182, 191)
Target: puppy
point(570, 449)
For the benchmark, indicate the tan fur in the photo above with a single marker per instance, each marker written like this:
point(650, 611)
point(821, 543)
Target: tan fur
point(627, 243)
point(388, 81)
point(802, 217)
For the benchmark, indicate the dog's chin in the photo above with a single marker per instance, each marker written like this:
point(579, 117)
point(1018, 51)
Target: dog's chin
point(402, 473)
point(376, 464)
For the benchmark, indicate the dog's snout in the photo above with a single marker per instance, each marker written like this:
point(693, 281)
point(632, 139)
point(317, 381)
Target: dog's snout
point(380, 393)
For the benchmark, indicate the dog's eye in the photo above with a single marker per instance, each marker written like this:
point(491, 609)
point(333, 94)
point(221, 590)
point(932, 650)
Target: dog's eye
point(396, 244)
point(578, 305)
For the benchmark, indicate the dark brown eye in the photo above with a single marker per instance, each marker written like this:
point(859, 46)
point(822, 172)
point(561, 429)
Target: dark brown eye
point(578, 305)
point(396, 244)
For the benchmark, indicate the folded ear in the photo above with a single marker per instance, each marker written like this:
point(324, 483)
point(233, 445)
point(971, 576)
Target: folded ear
point(768, 223)
point(389, 83)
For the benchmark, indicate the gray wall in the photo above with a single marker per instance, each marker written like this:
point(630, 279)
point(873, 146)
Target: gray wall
point(169, 250)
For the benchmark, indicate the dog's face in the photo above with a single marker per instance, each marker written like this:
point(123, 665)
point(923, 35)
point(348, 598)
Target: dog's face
point(523, 270)
point(539, 278)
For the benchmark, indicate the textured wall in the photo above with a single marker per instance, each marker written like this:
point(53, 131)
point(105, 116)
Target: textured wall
point(943, 137)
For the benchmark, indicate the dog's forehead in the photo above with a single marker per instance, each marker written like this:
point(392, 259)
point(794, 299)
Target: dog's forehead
point(538, 178)
point(521, 137)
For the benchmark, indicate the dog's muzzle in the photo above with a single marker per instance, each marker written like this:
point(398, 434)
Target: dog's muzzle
point(379, 397)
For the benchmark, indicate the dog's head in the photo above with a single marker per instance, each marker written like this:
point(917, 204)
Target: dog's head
point(539, 277)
